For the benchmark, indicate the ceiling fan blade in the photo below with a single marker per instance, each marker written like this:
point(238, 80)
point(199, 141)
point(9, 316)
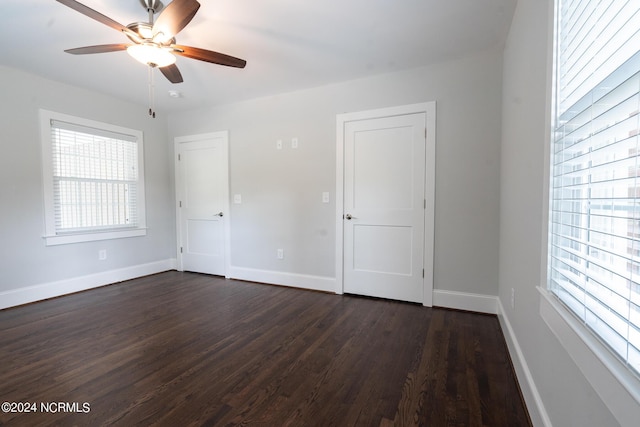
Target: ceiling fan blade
point(102, 48)
point(87, 11)
point(172, 73)
point(208, 56)
point(175, 17)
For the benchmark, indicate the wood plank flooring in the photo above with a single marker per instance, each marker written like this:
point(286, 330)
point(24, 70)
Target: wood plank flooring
point(182, 349)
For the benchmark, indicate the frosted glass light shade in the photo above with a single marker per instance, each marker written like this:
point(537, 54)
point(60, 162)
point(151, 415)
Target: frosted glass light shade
point(150, 54)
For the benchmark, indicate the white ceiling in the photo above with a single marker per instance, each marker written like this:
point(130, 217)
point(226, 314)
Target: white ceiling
point(288, 44)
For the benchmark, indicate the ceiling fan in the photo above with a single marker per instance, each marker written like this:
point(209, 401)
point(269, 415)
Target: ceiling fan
point(154, 43)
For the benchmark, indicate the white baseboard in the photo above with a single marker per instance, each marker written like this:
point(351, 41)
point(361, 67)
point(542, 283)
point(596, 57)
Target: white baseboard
point(58, 288)
point(304, 281)
point(465, 301)
point(537, 411)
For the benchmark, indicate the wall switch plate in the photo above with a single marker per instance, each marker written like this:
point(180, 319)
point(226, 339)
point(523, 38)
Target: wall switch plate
point(237, 199)
point(325, 197)
point(102, 254)
point(280, 253)
point(294, 142)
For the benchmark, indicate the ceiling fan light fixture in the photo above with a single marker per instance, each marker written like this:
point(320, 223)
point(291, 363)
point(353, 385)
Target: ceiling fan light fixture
point(151, 54)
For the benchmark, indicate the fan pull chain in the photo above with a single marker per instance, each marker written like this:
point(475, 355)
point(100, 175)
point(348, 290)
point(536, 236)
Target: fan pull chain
point(152, 111)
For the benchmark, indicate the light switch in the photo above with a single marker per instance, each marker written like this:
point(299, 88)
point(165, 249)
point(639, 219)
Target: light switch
point(237, 199)
point(325, 197)
point(279, 144)
point(294, 142)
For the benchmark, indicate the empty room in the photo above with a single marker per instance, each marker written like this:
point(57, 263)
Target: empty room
point(337, 213)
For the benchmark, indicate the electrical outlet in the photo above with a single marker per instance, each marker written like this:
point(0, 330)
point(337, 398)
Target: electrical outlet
point(513, 298)
point(294, 142)
point(102, 254)
point(279, 144)
point(280, 253)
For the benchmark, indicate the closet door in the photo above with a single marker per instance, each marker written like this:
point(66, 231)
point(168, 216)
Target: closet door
point(202, 189)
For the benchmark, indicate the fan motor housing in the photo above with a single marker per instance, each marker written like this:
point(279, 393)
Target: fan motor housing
point(145, 31)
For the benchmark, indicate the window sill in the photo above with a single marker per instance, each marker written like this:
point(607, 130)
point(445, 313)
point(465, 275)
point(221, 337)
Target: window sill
point(616, 385)
point(64, 239)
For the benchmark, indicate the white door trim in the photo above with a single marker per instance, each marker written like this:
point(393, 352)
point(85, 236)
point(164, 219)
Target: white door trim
point(224, 135)
point(429, 108)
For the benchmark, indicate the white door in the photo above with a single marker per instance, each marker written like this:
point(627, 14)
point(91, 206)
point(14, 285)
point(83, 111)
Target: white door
point(202, 190)
point(384, 206)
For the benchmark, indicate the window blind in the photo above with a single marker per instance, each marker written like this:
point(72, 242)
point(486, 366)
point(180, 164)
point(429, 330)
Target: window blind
point(594, 253)
point(95, 178)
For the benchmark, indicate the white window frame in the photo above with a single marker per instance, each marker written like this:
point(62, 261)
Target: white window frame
point(612, 380)
point(51, 235)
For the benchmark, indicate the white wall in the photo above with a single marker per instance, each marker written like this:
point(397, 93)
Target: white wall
point(564, 396)
point(27, 266)
point(281, 190)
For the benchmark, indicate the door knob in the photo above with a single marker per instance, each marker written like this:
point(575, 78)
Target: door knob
point(219, 214)
point(349, 217)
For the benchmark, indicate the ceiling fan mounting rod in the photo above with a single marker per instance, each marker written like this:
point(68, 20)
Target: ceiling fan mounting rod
point(152, 6)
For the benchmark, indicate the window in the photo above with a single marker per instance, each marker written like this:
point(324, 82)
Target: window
point(594, 241)
point(93, 180)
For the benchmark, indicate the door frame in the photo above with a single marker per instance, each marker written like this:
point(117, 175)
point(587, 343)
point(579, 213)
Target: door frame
point(225, 203)
point(429, 109)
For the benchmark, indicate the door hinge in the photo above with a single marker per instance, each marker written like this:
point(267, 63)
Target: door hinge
point(423, 273)
point(179, 157)
point(180, 249)
point(180, 203)
point(425, 132)
point(425, 204)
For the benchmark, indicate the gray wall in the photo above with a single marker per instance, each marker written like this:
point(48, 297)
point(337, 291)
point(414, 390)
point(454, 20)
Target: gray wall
point(567, 397)
point(281, 189)
point(24, 258)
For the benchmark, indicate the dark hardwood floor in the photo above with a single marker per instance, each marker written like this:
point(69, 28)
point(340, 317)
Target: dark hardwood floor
point(178, 349)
